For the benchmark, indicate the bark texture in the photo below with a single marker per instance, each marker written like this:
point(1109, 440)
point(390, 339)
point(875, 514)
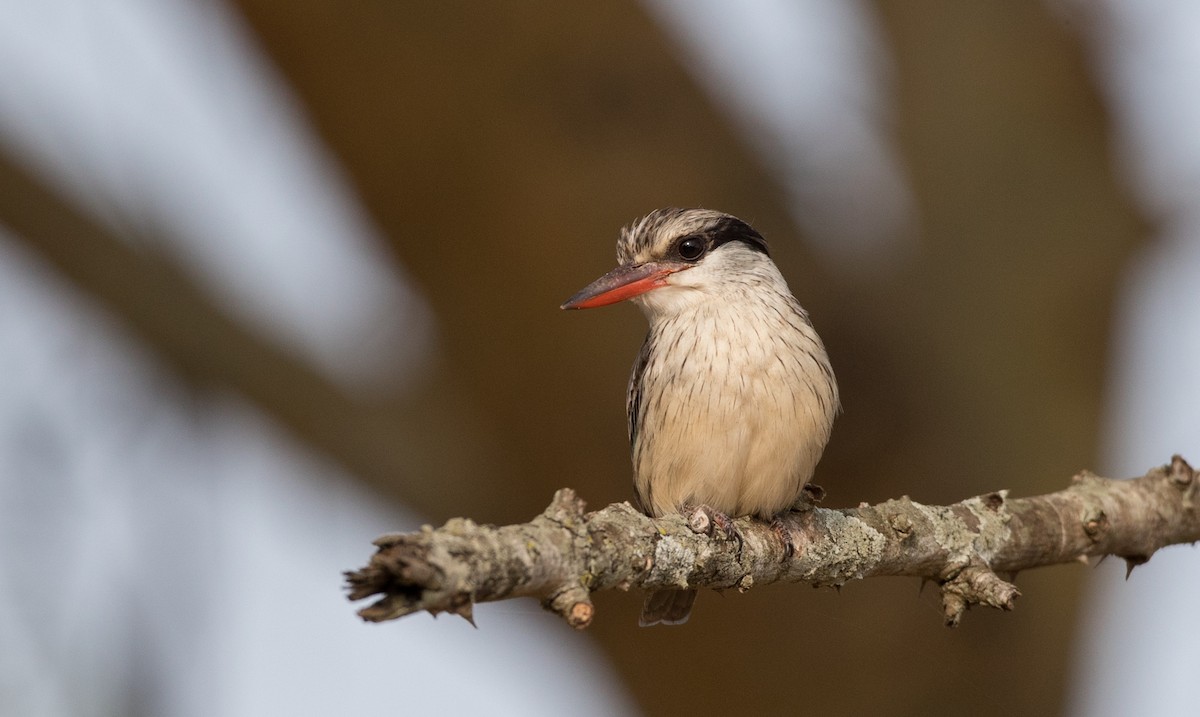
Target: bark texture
point(971, 549)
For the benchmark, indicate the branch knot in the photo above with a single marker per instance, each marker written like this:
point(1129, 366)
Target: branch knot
point(975, 584)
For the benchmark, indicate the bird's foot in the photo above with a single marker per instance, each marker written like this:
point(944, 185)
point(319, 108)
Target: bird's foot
point(703, 519)
point(785, 536)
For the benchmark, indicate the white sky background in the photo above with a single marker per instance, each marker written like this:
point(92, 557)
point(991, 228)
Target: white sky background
point(169, 552)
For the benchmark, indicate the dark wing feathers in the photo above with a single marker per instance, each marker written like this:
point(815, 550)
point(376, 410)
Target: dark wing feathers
point(633, 408)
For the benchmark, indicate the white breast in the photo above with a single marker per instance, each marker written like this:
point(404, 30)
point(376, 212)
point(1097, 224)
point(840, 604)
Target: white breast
point(736, 405)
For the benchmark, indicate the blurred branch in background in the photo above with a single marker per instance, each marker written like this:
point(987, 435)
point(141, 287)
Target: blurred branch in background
point(377, 442)
point(564, 555)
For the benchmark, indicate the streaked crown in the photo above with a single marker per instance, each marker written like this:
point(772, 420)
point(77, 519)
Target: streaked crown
point(669, 233)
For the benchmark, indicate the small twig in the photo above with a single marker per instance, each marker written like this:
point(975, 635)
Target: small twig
point(565, 554)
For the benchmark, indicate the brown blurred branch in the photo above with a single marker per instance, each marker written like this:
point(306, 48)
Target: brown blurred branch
point(564, 554)
point(163, 306)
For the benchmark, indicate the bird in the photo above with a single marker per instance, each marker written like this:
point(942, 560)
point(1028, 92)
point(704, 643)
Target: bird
point(732, 397)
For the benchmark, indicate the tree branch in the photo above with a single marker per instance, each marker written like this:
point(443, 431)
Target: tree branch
point(564, 554)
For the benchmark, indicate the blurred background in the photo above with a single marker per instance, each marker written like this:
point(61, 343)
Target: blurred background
point(277, 278)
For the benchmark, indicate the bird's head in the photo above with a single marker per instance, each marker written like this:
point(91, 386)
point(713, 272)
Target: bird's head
point(672, 258)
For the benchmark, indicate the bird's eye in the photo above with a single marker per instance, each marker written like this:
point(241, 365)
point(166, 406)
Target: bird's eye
point(691, 248)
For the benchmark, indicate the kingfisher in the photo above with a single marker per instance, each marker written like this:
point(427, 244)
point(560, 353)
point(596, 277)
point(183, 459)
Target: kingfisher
point(732, 398)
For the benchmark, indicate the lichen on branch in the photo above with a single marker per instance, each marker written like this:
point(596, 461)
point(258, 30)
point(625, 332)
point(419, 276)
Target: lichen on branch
point(971, 549)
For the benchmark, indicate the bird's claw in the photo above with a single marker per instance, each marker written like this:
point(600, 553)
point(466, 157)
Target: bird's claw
point(708, 520)
point(726, 525)
point(785, 537)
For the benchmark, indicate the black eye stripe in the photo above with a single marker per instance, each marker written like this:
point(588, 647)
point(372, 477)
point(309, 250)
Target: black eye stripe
point(733, 229)
point(692, 247)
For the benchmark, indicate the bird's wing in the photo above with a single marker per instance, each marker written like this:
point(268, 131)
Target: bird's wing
point(633, 400)
point(633, 408)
